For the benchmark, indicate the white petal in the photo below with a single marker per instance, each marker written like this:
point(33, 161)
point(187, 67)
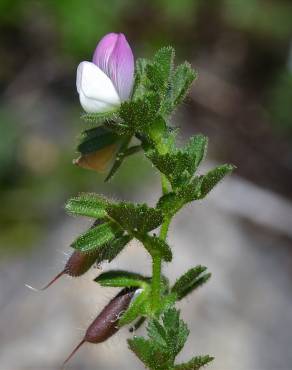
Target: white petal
point(96, 91)
point(93, 105)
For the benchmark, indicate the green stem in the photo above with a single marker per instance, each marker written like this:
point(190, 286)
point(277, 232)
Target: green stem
point(156, 259)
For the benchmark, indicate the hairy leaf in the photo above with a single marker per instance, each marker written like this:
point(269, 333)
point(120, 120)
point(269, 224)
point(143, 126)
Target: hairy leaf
point(195, 363)
point(157, 246)
point(120, 278)
point(182, 79)
point(114, 247)
point(135, 217)
point(138, 114)
point(87, 204)
point(141, 84)
point(211, 179)
point(197, 149)
point(166, 339)
point(149, 353)
point(160, 70)
point(189, 281)
point(96, 237)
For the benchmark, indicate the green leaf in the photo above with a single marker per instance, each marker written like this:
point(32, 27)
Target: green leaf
point(114, 247)
point(119, 278)
point(87, 204)
point(195, 363)
point(166, 339)
point(177, 331)
point(138, 307)
point(191, 191)
point(213, 177)
point(180, 165)
point(167, 302)
point(172, 202)
point(197, 149)
point(182, 79)
point(174, 166)
point(141, 84)
point(160, 70)
point(169, 203)
point(96, 237)
point(149, 353)
point(157, 246)
point(135, 217)
point(138, 114)
point(189, 281)
point(95, 139)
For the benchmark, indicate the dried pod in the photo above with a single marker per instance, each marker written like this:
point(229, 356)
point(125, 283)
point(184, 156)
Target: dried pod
point(77, 265)
point(105, 325)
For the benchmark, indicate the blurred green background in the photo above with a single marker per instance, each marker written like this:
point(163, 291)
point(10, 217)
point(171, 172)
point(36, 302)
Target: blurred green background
point(242, 100)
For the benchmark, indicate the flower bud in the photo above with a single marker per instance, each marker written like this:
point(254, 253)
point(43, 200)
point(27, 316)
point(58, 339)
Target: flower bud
point(108, 80)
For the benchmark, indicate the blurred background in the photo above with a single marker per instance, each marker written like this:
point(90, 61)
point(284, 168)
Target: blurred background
point(242, 100)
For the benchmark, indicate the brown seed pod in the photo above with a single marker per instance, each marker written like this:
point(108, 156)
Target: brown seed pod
point(105, 325)
point(77, 265)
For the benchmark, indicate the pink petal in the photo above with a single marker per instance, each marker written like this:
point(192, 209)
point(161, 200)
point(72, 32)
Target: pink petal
point(114, 56)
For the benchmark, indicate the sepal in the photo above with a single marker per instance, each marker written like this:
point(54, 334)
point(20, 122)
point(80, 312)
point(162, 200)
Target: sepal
point(138, 307)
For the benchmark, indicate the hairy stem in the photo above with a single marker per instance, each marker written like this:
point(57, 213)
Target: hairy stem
point(156, 260)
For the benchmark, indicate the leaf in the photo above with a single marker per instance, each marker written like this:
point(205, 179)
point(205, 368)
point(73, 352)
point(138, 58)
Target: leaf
point(213, 177)
point(119, 278)
point(180, 165)
point(195, 363)
point(197, 149)
point(96, 139)
point(138, 114)
point(149, 354)
point(191, 191)
point(135, 217)
point(114, 247)
point(141, 84)
point(189, 281)
point(96, 237)
point(175, 166)
point(87, 204)
point(167, 337)
point(177, 331)
point(157, 246)
point(169, 203)
point(182, 79)
point(160, 70)
point(172, 202)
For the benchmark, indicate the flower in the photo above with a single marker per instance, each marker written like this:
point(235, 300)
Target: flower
point(108, 80)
